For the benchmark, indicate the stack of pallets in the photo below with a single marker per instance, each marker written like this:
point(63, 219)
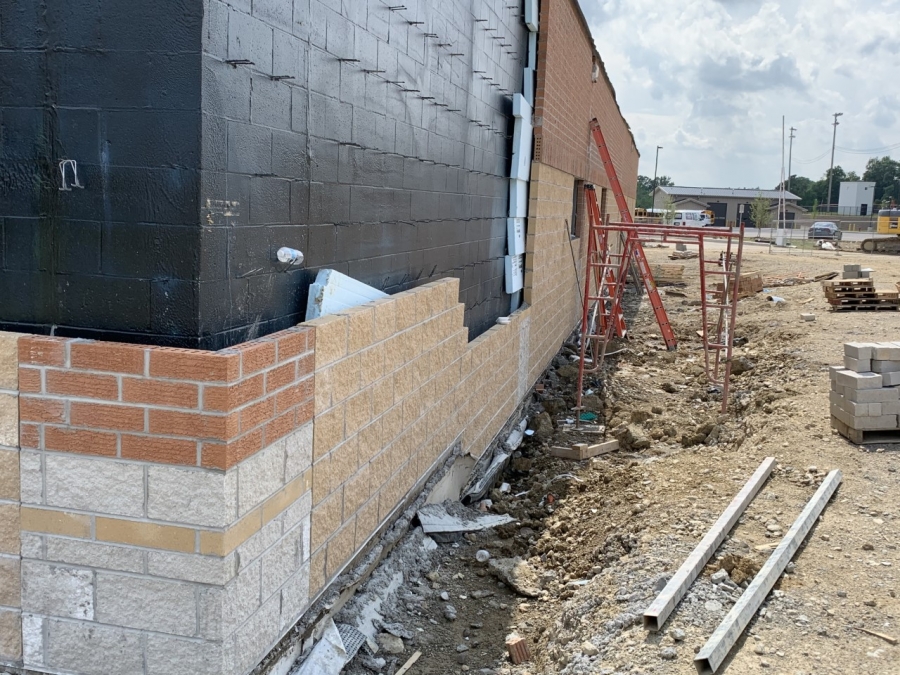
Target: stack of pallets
point(858, 295)
point(668, 274)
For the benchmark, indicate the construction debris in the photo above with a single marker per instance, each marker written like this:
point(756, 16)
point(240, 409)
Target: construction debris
point(683, 255)
point(409, 664)
point(518, 574)
point(713, 653)
point(657, 613)
point(580, 451)
point(517, 647)
point(886, 638)
point(329, 655)
point(334, 292)
point(452, 517)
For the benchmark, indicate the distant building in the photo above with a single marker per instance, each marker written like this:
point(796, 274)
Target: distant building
point(724, 202)
point(856, 198)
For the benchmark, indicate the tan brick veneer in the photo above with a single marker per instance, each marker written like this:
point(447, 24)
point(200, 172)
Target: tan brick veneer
point(10, 562)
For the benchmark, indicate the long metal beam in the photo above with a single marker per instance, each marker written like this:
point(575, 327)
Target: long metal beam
point(658, 611)
point(722, 640)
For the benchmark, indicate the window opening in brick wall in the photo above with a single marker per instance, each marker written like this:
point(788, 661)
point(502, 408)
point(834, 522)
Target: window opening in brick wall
point(575, 224)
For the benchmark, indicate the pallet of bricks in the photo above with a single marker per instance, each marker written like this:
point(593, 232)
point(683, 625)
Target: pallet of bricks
point(858, 295)
point(865, 392)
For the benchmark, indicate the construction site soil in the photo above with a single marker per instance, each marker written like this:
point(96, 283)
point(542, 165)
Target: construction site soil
point(597, 539)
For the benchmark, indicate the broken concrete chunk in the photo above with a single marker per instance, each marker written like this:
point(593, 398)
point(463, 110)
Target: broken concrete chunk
point(391, 644)
point(518, 574)
point(454, 517)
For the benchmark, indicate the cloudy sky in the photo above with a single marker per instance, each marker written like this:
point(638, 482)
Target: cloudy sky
point(709, 80)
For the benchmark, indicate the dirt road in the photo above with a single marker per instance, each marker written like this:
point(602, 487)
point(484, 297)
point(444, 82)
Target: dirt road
point(599, 538)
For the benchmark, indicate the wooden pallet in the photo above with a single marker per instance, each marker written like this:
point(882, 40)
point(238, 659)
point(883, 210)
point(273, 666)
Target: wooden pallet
point(863, 308)
point(668, 273)
point(834, 283)
point(841, 302)
point(831, 295)
point(865, 437)
point(750, 284)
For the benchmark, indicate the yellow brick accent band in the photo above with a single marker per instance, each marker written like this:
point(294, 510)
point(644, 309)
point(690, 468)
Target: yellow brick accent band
point(148, 535)
point(47, 521)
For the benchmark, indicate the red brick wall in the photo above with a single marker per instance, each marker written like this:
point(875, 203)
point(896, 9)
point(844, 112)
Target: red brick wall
point(159, 404)
point(566, 100)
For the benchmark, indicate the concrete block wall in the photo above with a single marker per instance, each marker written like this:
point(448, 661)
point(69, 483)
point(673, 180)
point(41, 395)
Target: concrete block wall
point(180, 510)
point(167, 503)
point(397, 384)
point(10, 561)
point(553, 282)
point(572, 88)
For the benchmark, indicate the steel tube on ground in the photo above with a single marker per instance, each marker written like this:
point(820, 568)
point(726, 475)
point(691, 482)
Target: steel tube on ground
point(722, 640)
point(658, 611)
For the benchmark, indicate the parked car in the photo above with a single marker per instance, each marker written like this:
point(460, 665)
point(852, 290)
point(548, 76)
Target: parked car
point(824, 230)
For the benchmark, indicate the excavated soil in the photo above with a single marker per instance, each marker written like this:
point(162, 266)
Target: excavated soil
point(599, 538)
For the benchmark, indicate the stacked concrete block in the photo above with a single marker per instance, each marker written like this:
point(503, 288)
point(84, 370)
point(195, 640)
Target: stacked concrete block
point(857, 272)
point(865, 392)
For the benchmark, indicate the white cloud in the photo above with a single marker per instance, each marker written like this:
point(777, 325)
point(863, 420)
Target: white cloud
point(709, 80)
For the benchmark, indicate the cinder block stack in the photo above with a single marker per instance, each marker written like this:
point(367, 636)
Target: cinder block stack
point(865, 391)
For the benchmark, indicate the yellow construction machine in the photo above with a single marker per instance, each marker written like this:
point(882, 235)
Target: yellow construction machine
point(888, 223)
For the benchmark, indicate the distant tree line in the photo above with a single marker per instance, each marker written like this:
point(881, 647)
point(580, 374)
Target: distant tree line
point(645, 190)
point(883, 171)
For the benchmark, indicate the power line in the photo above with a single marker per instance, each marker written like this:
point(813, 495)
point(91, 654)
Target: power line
point(858, 151)
point(811, 161)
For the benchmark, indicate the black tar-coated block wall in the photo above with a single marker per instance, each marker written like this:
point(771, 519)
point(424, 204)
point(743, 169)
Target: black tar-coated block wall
point(372, 136)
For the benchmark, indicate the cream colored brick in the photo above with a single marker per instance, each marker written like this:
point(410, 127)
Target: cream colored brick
point(385, 323)
point(316, 572)
point(10, 582)
point(357, 490)
point(393, 423)
point(9, 420)
point(9, 361)
point(328, 431)
point(10, 635)
point(371, 364)
point(366, 522)
point(9, 475)
point(405, 310)
point(323, 480)
point(345, 460)
point(9, 529)
point(346, 379)
point(371, 440)
point(331, 338)
point(382, 395)
point(326, 519)
point(323, 388)
point(358, 411)
point(361, 322)
point(340, 548)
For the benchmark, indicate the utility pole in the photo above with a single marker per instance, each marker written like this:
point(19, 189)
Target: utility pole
point(655, 167)
point(831, 170)
point(790, 153)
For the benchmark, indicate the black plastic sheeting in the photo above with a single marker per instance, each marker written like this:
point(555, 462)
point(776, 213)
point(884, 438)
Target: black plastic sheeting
point(375, 138)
